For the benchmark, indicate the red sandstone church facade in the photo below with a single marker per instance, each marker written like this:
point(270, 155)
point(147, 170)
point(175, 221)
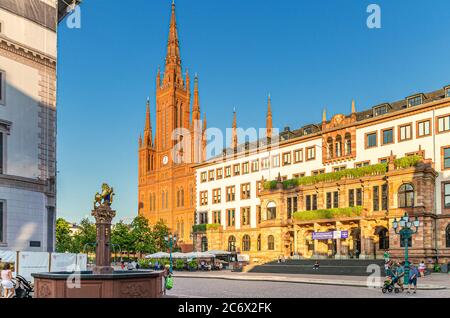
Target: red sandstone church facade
point(166, 175)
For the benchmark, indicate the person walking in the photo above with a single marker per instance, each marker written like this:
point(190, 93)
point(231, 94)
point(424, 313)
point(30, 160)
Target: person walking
point(400, 273)
point(7, 284)
point(387, 256)
point(422, 268)
point(413, 274)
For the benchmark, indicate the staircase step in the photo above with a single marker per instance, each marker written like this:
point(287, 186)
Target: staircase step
point(327, 267)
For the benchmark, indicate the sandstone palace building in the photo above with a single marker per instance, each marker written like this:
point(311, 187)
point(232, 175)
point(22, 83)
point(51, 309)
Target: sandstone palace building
point(166, 175)
point(332, 189)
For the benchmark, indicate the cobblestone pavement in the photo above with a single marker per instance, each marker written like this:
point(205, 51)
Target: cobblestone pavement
point(219, 288)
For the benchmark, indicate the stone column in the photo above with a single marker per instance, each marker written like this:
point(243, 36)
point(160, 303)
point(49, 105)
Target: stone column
point(103, 216)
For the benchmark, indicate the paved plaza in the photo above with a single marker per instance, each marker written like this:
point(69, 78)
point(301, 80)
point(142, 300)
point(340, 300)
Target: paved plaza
point(232, 285)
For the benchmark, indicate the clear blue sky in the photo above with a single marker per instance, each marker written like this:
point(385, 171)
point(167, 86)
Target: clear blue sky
point(307, 54)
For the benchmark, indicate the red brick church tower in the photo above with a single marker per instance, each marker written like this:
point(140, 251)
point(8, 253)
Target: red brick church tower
point(166, 178)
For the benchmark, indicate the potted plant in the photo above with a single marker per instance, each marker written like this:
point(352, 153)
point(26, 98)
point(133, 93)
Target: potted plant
point(179, 264)
point(192, 265)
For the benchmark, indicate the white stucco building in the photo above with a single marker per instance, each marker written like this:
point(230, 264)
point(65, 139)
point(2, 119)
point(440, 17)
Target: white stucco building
point(229, 189)
point(28, 53)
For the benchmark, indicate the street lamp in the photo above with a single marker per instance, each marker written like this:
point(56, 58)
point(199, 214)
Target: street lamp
point(406, 231)
point(171, 239)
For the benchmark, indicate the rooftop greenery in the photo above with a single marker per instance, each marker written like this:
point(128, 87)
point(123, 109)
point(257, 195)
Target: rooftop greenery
point(375, 169)
point(203, 227)
point(328, 213)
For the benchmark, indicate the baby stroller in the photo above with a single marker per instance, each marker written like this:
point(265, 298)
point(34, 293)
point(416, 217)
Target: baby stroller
point(389, 285)
point(22, 287)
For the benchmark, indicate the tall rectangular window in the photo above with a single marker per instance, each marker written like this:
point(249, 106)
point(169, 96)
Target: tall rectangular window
point(217, 196)
point(265, 163)
point(291, 206)
point(371, 140)
point(329, 203)
point(336, 199)
point(227, 171)
point(245, 168)
point(310, 153)
point(298, 155)
point(308, 203)
point(359, 197)
point(384, 197)
point(351, 197)
point(216, 217)
point(446, 157)
point(376, 198)
point(276, 161)
point(388, 136)
point(286, 158)
point(231, 193)
point(231, 217)
point(203, 176)
point(423, 128)
point(314, 202)
point(405, 132)
point(447, 195)
point(219, 173)
point(245, 215)
point(2, 87)
point(255, 165)
point(236, 169)
point(245, 191)
point(443, 123)
point(211, 175)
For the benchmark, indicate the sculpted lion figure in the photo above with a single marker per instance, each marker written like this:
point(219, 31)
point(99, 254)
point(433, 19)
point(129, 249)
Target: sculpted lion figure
point(105, 197)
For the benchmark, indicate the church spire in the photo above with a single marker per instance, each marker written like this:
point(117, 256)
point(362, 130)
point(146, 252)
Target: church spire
point(173, 59)
point(269, 118)
point(148, 138)
point(196, 106)
point(234, 139)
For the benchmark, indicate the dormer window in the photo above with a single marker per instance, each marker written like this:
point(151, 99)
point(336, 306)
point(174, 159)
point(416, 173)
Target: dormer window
point(381, 110)
point(447, 91)
point(415, 100)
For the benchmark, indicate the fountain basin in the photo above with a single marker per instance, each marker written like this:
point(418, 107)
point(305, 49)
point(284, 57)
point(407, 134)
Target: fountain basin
point(118, 284)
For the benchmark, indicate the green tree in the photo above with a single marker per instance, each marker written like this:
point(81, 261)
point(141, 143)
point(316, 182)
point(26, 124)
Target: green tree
point(64, 240)
point(121, 236)
point(85, 235)
point(160, 231)
point(142, 236)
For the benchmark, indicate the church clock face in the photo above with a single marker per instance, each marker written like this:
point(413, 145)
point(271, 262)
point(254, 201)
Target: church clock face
point(165, 160)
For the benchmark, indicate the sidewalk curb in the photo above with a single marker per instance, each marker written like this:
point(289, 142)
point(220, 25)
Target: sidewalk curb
point(303, 281)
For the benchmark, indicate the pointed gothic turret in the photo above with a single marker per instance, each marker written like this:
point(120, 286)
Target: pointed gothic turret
point(234, 138)
point(172, 73)
point(196, 105)
point(269, 119)
point(148, 136)
point(324, 116)
point(353, 107)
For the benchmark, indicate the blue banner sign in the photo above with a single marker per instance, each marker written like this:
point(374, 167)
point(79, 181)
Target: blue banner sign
point(330, 235)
